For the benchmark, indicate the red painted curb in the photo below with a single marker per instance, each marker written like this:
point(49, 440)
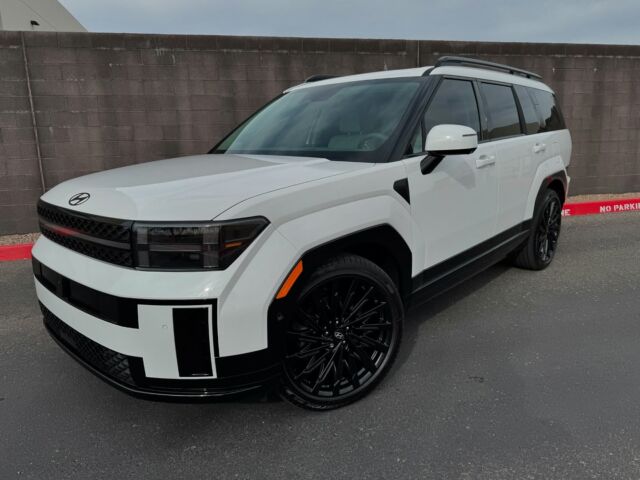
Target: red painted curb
point(15, 252)
point(603, 207)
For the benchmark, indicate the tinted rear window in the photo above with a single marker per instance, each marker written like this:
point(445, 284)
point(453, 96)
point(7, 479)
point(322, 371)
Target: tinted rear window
point(550, 115)
point(504, 120)
point(531, 119)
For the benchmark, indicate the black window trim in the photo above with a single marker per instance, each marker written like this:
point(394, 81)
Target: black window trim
point(523, 122)
point(414, 117)
point(483, 112)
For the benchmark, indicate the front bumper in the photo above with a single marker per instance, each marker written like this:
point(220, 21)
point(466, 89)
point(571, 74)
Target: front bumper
point(127, 373)
point(151, 348)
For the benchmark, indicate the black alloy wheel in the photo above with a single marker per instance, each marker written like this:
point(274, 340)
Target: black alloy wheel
point(542, 243)
point(549, 230)
point(343, 335)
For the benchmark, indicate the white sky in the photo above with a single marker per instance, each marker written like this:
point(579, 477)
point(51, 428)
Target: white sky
point(574, 21)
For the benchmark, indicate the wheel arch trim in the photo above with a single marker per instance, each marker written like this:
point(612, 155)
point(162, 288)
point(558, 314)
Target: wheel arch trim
point(382, 236)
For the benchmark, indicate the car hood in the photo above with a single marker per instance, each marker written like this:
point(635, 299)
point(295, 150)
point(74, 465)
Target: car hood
point(198, 187)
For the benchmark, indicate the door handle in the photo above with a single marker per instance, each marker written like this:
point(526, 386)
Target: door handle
point(485, 161)
point(539, 148)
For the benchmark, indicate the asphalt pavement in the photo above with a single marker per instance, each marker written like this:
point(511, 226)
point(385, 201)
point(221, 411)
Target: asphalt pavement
point(514, 374)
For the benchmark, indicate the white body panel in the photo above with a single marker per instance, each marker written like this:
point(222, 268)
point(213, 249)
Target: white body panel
point(515, 166)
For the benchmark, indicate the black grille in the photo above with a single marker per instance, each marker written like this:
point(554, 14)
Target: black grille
point(95, 250)
point(106, 361)
point(102, 238)
point(99, 227)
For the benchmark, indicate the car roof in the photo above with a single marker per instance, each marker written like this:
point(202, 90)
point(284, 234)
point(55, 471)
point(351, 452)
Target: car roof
point(459, 71)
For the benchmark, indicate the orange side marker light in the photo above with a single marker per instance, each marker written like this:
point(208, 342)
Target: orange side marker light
point(290, 280)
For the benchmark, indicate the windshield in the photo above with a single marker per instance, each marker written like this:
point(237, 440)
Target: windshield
point(346, 121)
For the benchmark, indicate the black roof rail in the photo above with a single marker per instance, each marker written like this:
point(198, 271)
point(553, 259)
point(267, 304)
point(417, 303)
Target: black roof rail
point(473, 62)
point(317, 78)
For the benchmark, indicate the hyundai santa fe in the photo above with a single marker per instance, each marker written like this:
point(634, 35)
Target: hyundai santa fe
point(289, 253)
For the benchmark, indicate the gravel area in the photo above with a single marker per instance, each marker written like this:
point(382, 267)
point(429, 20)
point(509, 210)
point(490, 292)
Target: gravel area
point(602, 196)
point(18, 239)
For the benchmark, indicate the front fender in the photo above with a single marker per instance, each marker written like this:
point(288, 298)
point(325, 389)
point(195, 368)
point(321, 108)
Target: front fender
point(310, 231)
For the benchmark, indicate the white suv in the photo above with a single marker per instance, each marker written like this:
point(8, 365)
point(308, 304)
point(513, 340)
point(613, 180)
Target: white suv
point(292, 249)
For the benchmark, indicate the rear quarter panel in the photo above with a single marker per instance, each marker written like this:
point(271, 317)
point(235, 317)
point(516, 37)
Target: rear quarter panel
point(559, 147)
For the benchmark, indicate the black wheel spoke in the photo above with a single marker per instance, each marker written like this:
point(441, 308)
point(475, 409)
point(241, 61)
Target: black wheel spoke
point(373, 326)
point(359, 305)
point(364, 359)
point(352, 375)
point(322, 376)
point(349, 296)
point(304, 353)
point(308, 321)
point(364, 316)
point(369, 342)
point(338, 374)
point(314, 363)
point(307, 337)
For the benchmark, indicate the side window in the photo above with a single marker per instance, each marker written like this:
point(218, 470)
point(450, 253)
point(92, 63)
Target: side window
point(550, 115)
point(454, 103)
point(504, 120)
point(532, 122)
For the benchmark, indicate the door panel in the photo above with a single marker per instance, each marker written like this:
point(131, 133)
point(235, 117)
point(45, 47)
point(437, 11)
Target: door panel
point(455, 205)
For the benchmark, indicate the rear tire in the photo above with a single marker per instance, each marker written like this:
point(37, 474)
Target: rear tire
point(344, 336)
point(540, 249)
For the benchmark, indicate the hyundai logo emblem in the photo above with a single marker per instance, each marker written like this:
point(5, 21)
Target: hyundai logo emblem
point(79, 199)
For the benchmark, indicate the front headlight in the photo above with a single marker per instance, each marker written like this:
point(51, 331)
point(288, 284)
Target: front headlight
point(194, 246)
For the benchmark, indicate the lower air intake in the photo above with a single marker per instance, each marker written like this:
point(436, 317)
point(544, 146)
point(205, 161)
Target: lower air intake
point(108, 362)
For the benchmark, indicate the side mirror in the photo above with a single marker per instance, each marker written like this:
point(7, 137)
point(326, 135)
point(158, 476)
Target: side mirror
point(445, 140)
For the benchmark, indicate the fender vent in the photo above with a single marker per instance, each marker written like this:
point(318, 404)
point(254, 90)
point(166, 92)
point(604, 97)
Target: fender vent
point(402, 187)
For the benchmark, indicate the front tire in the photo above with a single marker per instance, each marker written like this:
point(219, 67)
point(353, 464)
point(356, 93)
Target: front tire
point(343, 335)
point(540, 249)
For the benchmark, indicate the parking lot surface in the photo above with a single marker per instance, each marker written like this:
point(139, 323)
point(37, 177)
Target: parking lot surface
point(513, 374)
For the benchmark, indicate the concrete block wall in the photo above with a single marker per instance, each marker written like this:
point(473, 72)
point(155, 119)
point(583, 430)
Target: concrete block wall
point(19, 174)
point(108, 100)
